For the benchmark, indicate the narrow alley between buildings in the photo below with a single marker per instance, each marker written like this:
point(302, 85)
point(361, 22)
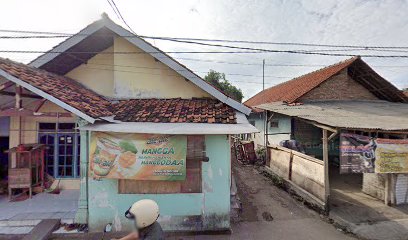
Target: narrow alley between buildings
point(269, 212)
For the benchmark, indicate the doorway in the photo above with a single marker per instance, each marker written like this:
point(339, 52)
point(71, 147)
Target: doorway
point(4, 145)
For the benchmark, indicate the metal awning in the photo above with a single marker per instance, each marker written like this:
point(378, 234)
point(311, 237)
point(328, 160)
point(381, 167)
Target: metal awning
point(241, 127)
point(351, 114)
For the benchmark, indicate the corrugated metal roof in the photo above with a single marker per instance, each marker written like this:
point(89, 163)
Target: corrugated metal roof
point(374, 115)
point(240, 127)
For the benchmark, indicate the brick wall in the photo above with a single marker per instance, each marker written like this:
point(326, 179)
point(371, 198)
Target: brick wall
point(339, 87)
point(309, 136)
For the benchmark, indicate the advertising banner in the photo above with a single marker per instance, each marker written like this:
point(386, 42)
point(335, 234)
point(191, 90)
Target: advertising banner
point(138, 156)
point(391, 156)
point(356, 153)
point(363, 154)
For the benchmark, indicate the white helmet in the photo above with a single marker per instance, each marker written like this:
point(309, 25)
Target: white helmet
point(145, 212)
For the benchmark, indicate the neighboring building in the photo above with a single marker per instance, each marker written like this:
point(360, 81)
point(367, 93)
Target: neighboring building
point(335, 82)
point(106, 81)
point(347, 97)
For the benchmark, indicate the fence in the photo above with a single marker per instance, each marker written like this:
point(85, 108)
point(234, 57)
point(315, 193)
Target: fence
point(303, 172)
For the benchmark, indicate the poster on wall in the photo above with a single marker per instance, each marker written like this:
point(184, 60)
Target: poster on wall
point(363, 154)
point(138, 156)
point(356, 153)
point(391, 155)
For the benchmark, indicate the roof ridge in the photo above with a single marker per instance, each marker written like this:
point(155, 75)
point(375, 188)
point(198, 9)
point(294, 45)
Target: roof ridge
point(349, 61)
point(317, 70)
point(147, 47)
point(323, 68)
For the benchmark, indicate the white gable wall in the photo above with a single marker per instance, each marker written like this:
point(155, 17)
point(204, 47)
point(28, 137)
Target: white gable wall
point(133, 75)
point(141, 76)
point(97, 74)
point(149, 49)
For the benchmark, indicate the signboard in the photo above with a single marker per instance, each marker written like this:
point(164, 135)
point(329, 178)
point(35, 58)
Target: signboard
point(391, 156)
point(363, 154)
point(138, 156)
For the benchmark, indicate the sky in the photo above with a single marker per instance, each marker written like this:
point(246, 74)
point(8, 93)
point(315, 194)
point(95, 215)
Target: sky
point(346, 22)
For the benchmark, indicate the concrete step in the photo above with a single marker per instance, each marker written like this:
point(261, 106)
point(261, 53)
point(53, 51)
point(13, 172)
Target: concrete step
point(15, 230)
point(43, 230)
point(29, 222)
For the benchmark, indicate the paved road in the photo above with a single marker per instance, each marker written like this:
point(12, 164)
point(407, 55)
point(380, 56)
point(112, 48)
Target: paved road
point(267, 213)
point(270, 213)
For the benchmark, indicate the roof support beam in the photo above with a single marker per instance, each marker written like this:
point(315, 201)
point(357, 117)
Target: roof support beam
point(40, 104)
point(322, 126)
point(333, 135)
point(6, 85)
point(375, 88)
point(47, 96)
point(25, 95)
point(21, 112)
point(325, 127)
point(365, 75)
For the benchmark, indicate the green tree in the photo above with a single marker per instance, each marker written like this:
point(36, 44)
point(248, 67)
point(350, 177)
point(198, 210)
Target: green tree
point(218, 80)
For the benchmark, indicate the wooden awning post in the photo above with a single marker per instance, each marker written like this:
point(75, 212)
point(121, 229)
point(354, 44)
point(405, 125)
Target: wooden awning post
point(17, 107)
point(18, 97)
point(326, 168)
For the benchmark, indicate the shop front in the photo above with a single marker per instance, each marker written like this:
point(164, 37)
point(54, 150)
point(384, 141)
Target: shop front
point(187, 175)
point(184, 167)
point(359, 151)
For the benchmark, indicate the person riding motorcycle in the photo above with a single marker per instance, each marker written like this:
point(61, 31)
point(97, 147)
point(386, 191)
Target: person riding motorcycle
point(145, 214)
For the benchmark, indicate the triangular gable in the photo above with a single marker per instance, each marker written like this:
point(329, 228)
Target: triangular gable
point(291, 91)
point(145, 46)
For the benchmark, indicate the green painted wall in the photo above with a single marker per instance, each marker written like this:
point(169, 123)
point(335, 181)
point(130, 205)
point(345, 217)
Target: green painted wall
point(208, 210)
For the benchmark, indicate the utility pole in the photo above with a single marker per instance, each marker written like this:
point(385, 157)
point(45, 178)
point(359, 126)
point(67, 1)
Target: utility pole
point(265, 113)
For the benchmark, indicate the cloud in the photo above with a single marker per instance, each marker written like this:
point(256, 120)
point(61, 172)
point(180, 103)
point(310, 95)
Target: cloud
point(378, 22)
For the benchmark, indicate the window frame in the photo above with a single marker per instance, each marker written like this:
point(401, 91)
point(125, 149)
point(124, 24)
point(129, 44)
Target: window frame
point(56, 133)
point(275, 122)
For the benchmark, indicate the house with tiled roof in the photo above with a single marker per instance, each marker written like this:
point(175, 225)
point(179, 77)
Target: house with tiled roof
point(336, 134)
point(121, 121)
point(351, 79)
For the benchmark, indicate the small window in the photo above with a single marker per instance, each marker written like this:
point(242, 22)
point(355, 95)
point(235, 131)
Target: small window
point(47, 126)
point(274, 123)
point(66, 127)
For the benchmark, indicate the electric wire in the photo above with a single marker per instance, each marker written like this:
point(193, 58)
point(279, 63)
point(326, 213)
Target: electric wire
point(61, 35)
point(322, 52)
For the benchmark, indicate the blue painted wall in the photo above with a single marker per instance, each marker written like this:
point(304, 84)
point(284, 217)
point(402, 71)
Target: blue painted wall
point(284, 128)
point(208, 210)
